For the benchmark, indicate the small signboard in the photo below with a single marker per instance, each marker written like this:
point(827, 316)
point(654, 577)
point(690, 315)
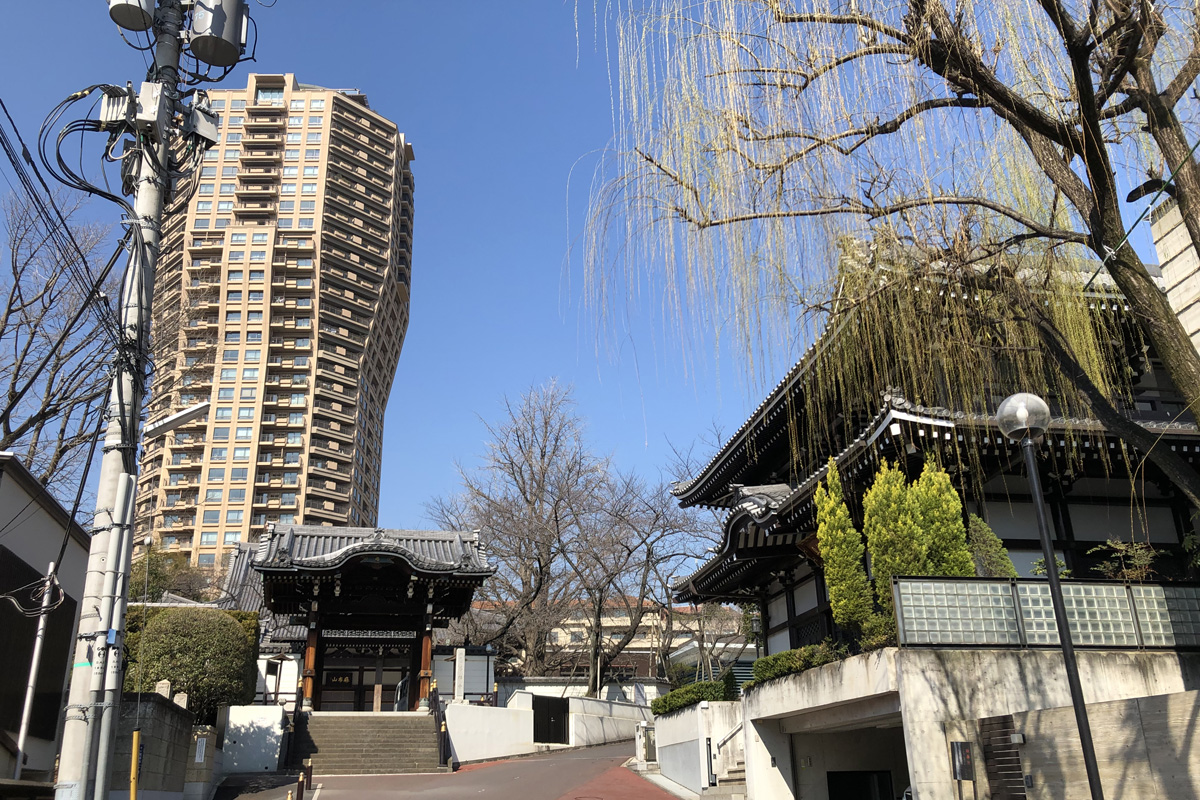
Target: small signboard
point(339, 678)
point(343, 633)
point(961, 762)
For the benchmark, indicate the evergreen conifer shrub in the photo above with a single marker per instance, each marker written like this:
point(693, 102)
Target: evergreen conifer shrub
point(987, 551)
point(937, 514)
point(842, 552)
point(895, 545)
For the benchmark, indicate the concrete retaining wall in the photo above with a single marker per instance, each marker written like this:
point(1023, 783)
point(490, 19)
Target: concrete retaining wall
point(682, 739)
point(602, 721)
point(253, 739)
point(166, 735)
point(481, 733)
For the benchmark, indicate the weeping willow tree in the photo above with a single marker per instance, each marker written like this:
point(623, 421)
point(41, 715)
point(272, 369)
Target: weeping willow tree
point(980, 150)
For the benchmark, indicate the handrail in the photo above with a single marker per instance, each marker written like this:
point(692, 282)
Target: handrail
point(725, 739)
point(439, 721)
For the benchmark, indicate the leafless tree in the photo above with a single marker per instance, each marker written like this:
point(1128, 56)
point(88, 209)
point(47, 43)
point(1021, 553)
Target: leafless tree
point(54, 373)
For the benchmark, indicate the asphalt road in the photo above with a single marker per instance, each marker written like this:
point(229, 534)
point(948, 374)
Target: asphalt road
point(594, 773)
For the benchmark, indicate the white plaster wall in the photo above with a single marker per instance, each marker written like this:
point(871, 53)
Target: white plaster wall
point(289, 679)
point(253, 737)
point(479, 733)
point(595, 721)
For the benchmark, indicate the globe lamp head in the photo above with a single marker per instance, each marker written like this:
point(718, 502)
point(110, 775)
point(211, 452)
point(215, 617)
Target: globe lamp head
point(1023, 414)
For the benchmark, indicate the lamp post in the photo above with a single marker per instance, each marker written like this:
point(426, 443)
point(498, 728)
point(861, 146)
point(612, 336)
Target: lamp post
point(756, 631)
point(1025, 417)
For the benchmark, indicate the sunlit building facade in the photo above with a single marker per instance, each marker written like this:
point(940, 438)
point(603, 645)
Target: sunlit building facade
point(282, 298)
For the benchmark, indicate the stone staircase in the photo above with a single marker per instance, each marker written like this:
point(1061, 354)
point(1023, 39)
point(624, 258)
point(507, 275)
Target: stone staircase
point(366, 744)
point(730, 786)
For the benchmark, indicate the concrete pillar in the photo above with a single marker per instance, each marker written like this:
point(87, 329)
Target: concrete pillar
point(460, 673)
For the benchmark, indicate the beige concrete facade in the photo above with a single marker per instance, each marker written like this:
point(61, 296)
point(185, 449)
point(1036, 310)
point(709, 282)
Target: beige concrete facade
point(282, 297)
point(1180, 266)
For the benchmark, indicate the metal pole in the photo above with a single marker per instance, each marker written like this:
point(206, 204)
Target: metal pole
point(135, 763)
point(1060, 620)
point(34, 664)
point(124, 410)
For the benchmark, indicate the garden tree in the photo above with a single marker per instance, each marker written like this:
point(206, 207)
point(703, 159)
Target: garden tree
point(976, 145)
point(895, 544)
point(54, 344)
point(156, 572)
point(987, 551)
point(201, 651)
point(1127, 561)
point(937, 514)
point(842, 553)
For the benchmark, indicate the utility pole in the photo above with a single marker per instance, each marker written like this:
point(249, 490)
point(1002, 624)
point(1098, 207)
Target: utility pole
point(150, 115)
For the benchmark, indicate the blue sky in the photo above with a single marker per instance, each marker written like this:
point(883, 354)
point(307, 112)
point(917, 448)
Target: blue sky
point(501, 103)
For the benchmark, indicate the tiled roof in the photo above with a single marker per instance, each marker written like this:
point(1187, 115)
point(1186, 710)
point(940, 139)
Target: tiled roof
point(317, 547)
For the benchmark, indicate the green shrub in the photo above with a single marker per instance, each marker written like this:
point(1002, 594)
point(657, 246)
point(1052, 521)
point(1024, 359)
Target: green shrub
point(690, 695)
point(842, 552)
point(937, 513)
point(880, 631)
point(987, 551)
point(790, 662)
point(893, 539)
point(204, 652)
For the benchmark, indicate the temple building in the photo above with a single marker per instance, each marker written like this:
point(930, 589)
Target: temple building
point(354, 611)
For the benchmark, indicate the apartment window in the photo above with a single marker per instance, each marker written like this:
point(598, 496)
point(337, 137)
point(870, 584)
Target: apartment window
point(245, 413)
point(293, 138)
point(297, 105)
point(225, 394)
point(223, 206)
point(200, 224)
point(258, 238)
point(268, 97)
point(298, 398)
point(254, 316)
point(237, 474)
point(250, 374)
point(208, 172)
point(317, 103)
point(209, 537)
point(287, 519)
point(287, 188)
point(237, 238)
point(306, 223)
point(291, 155)
point(242, 453)
point(176, 478)
point(212, 517)
point(303, 322)
point(233, 155)
point(287, 205)
point(311, 172)
point(308, 205)
point(258, 255)
point(237, 495)
point(295, 122)
point(219, 453)
point(253, 355)
point(229, 172)
point(291, 478)
point(203, 206)
point(225, 413)
point(213, 496)
point(233, 316)
point(312, 154)
point(305, 283)
point(233, 138)
point(211, 155)
point(287, 499)
point(313, 137)
point(295, 438)
point(291, 458)
point(229, 355)
point(206, 560)
point(303, 302)
point(257, 275)
point(229, 374)
point(291, 172)
point(178, 458)
point(248, 393)
point(295, 418)
point(304, 262)
point(238, 105)
point(228, 188)
point(317, 121)
point(253, 337)
point(233, 516)
point(234, 275)
point(233, 537)
point(237, 255)
point(207, 189)
point(217, 105)
point(307, 188)
point(283, 223)
point(221, 434)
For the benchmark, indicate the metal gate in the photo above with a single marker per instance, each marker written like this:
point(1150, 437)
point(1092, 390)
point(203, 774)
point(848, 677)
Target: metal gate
point(550, 720)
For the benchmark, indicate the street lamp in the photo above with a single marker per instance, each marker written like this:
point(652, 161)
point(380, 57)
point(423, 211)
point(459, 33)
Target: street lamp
point(1025, 417)
point(756, 632)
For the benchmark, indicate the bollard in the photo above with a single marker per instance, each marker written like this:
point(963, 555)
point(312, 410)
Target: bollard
point(308, 779)
point(300, 787)
point(289, 797)
point(135, 763)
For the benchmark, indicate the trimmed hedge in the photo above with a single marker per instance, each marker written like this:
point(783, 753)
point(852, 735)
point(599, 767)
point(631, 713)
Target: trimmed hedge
point(690, 695)
point(791, 662)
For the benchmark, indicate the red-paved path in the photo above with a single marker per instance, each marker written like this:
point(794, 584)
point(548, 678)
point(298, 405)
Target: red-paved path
point(592, 774)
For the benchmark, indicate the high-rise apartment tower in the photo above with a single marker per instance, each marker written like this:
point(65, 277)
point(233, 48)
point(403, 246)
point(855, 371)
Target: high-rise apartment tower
point(282, 297)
